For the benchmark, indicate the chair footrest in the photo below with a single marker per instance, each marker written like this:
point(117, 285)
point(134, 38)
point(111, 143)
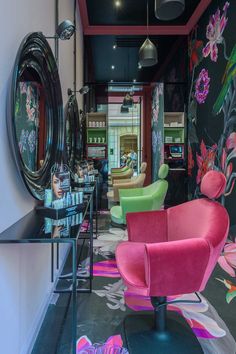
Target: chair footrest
point(142, 338)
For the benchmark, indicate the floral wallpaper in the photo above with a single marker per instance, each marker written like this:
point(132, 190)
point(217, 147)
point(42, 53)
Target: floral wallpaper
point(211, 106)
point(27, 122)
point(212, 117)
point(157, 130)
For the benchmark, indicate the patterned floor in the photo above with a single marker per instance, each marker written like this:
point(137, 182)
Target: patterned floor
point(101, 314)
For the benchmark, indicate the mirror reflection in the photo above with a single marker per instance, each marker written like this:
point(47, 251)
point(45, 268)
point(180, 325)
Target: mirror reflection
point(30, 122)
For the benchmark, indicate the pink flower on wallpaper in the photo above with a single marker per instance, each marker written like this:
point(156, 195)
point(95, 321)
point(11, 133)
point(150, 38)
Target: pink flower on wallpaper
point(202, 86)
point(226, 164)
point(205, 161)
point(227, 260)
point(231, 141)
point(214, 32)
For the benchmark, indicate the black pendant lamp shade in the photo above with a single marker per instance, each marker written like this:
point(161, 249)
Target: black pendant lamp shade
point(169, 9)
point(148, 53)
point(148, 50)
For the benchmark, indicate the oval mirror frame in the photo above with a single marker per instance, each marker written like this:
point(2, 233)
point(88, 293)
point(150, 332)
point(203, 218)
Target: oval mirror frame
point(73, 139)
point(35, 54)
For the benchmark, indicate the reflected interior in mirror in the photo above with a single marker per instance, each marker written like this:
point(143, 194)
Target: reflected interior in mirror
point(30, 122)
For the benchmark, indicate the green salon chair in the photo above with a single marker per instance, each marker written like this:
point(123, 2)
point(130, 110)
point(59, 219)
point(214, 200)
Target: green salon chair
point(140, 199)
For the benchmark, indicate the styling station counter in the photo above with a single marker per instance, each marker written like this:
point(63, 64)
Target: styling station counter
point(35, 228)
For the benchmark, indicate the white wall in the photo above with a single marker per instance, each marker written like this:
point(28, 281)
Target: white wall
point(25, 269)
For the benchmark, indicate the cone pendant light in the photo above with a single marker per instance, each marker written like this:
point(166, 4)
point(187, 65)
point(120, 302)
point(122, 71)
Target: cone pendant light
point(148, 50)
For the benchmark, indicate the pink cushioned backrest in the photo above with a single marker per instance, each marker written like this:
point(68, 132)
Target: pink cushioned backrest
point(213, 184)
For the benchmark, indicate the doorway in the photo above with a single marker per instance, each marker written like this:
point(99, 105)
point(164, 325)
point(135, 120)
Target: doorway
point(123, 134)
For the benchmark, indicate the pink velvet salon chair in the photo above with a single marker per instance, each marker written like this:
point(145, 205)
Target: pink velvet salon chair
point(172, 252)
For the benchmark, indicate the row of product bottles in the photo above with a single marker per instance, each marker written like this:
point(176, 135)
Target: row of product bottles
point(98, 140)
point(94, 124)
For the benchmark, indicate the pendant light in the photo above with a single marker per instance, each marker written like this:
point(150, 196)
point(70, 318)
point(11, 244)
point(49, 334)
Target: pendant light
point(148, 50)
point(128, 101)
point(169, 9)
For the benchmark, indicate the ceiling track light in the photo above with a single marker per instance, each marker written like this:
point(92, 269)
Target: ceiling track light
point(148, 50)
point(167, 10)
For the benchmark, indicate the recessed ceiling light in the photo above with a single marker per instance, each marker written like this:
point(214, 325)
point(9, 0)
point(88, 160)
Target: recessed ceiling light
point(134, 80)
point(111, 80)
point(117, 3)
point(139, 66)
point(113, 67)
point(114, 46)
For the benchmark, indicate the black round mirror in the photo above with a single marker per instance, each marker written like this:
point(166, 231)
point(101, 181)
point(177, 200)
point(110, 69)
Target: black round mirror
point(35, 121)
point(73, 139)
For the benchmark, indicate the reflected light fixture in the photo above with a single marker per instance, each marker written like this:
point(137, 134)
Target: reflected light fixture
point(82, 91)
point(148, 50)
point(128, 101)
point(169, 9)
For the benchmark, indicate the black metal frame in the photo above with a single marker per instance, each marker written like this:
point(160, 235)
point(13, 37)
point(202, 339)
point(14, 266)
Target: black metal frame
point(18, 234)
point(35, 54)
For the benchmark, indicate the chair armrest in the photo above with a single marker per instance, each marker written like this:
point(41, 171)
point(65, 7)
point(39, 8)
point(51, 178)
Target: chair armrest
point(119, 169)
point(119, 181)
point(176, 267)
point(134, 204)
point(147, 226)
point(117, 187)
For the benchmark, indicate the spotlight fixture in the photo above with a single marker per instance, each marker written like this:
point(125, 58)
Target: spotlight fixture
point(134, 80)
point(139, 66)
point(65, 30)
point(114, 46)
point(169, 9)
point(82, 91)
point(148, 51)
point(113, 67)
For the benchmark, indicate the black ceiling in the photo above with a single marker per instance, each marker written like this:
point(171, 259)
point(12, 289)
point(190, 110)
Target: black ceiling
point(132, 12)
point(125, 57)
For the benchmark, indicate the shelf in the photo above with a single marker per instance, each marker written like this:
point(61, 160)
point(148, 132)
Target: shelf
point(97, 144)
point(173, 158)
point(175, 143)
point(97, 128)
point(182, 127)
